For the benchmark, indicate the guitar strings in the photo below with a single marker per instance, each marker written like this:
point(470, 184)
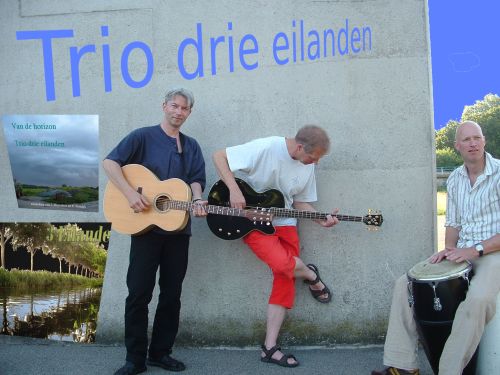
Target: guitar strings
point(305, 214)
point(164, 203)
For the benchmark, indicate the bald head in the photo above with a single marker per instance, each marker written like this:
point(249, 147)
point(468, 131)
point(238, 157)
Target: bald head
point(470, 142)
point(465, 127)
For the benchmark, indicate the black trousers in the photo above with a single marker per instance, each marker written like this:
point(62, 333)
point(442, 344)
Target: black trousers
point(148, 252)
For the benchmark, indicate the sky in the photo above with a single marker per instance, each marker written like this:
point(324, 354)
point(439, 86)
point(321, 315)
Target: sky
point(465, 51)
point(74, 164)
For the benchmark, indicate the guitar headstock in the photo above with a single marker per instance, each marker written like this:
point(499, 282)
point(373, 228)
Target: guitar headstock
point(262, 215)
point(373, 218)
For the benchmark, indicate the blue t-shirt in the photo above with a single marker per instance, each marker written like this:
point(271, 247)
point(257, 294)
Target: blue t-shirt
point(151, 147)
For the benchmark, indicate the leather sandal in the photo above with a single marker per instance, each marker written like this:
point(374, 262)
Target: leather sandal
point(318, 293)
point(283, 361)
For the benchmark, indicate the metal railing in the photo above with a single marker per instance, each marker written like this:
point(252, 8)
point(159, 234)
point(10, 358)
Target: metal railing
point(445, 169)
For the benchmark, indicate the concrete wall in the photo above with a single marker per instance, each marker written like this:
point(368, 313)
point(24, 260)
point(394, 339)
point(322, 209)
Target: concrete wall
point(376, 104)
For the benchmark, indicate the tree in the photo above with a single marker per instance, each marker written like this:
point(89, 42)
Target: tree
point(445, 137)
point(6, 233)
point(68, 249)
point(447, 157)
point(32, 236)
point(99, 260)
point(54, 247)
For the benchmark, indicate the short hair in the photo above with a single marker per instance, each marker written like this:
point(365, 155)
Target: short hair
point(182, 92)
point(313, 137)
point(467, 123)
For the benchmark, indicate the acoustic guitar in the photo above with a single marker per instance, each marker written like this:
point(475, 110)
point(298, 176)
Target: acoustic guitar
point(170, 204)
point(231, 227)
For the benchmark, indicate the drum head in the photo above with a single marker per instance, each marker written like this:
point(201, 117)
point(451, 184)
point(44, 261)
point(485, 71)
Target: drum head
point(444, 270)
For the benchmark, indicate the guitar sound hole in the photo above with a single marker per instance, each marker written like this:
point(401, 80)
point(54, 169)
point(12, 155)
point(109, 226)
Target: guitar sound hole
point(162, 203)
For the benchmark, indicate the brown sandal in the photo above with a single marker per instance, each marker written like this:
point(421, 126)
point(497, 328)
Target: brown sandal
point(318, 293)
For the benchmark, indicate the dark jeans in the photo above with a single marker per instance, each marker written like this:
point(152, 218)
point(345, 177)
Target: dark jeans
point(147, 252)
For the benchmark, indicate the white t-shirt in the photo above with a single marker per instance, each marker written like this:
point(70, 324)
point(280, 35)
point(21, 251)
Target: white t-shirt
point(265, 164)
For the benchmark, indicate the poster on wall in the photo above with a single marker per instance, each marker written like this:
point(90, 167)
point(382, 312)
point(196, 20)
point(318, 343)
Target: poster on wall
point(54, 161)
point(51, 278)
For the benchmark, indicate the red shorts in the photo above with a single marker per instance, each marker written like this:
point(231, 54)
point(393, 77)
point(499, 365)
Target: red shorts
point(278, 251)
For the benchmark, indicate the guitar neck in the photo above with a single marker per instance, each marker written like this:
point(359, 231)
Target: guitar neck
point(211, 209)
point(288, 212)
point(278, 212)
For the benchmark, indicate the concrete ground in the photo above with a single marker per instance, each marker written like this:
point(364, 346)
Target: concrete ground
point(19, 355)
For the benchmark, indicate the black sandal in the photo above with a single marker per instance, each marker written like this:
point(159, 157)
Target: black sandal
point(318, 293)
point(283, 361)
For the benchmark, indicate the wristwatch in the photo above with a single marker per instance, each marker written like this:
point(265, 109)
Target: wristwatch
point(479, 248)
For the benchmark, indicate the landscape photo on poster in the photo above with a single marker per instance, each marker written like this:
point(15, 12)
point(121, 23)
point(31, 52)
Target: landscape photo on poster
point(54, 160)
point(51, 278)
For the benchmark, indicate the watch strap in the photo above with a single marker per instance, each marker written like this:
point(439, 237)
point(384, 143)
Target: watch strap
point(479, 248)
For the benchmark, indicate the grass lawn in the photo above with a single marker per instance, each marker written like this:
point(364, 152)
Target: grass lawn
point(440, 232)
point(441, 203)
point(27, 279)
point(441, 211)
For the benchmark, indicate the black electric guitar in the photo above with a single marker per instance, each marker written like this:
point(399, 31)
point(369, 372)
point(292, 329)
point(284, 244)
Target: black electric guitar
point(260, 210)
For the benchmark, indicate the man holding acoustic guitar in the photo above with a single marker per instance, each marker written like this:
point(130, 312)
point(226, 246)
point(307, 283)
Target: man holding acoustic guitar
point(172, 156)
point(285, 164)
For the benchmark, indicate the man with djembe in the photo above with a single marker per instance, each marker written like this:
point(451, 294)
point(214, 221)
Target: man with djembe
point(472, 235)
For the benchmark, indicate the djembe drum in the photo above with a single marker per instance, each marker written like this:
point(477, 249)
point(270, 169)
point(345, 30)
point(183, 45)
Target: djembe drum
point(435, 290)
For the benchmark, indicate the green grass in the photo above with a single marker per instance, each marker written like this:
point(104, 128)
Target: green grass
point(44, 279)
point(441, 203)
point(79, 194)
point(31, 192)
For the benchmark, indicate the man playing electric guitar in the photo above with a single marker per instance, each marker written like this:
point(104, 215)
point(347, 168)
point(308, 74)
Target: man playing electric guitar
point(285, 164)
